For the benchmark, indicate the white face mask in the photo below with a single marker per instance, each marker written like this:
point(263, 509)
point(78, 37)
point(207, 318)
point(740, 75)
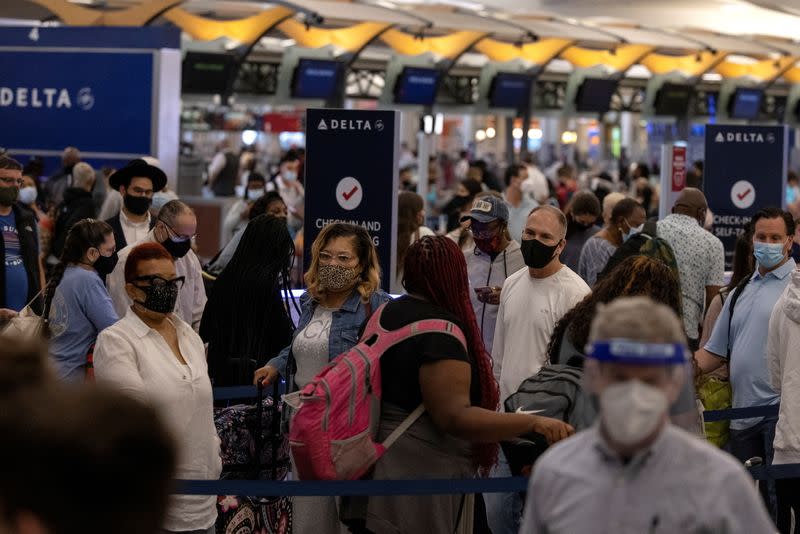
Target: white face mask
point(289, 175)
point(254, 194)
point(27, 195)
point(631, 411)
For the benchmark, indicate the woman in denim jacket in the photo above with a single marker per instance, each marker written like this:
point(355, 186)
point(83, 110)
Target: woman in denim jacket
point(342, 290)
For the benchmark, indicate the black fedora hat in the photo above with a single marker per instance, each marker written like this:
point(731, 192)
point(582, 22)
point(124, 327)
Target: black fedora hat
point(138, 168)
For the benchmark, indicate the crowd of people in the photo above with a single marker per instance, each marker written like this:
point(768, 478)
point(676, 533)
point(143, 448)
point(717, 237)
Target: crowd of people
point(542, 270)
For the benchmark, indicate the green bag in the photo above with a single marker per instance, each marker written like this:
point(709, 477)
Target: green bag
point(715, 394)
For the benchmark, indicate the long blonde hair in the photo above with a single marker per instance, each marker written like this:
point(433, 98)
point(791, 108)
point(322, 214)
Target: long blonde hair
point(370, 277)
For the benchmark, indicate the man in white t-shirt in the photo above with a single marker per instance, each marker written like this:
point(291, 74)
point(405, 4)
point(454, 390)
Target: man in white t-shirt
point(531, 303)
point(534, 300)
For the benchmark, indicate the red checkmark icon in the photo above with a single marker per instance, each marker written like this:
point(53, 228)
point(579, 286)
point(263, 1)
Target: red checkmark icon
point(348, 196)
point(743, 195)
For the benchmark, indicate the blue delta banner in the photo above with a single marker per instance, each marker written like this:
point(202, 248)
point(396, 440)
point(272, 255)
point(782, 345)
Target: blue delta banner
point(745, 170)
point(351, 177)
point(99, 101)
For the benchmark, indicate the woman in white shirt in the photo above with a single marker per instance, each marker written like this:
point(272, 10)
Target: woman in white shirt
point(151, 354)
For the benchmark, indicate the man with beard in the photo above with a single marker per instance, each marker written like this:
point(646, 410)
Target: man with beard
point(136, 182)
point(19, 277)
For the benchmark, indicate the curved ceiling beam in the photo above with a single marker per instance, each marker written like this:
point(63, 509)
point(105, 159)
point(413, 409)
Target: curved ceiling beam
point(447, 46)
point(620, 59)
point(247, 31)
point(138, 15)
point(691, 65)
point(539, 53)
point(792, 75)
point(766, 70)
point(352, 39)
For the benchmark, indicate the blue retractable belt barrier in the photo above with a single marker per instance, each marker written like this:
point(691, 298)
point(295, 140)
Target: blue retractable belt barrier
point(235, 392)
point(351, 487)
point(740, 413)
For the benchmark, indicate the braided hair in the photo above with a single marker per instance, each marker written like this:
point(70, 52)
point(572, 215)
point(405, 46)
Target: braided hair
point(83, 235)
point(247, 296)
point(436, 269)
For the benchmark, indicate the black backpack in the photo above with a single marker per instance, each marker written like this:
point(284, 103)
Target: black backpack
point(555, 391)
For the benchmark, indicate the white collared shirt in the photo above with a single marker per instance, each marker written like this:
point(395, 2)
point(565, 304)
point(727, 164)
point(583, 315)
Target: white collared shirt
point(137, 361)
point(191, 299)
point(133, 231)
point(681, 484)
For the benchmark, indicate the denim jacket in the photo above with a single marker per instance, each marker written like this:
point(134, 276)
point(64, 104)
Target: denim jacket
point(345, 326)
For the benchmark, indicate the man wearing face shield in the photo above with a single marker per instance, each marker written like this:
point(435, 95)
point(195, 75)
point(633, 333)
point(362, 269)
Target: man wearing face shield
point(633, 471)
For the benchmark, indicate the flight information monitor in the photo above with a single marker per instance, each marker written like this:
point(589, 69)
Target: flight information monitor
point(417, 86)
point(510, 90)
point(317, 78)
point(594, 95)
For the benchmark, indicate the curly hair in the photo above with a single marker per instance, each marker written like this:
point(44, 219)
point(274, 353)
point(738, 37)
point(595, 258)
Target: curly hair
point(635, 276)
point(435, 268)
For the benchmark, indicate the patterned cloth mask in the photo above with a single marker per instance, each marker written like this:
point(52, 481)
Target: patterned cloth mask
point(336, 277)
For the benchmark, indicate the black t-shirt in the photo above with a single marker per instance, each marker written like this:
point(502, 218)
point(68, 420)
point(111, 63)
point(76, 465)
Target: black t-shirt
point(400, 364)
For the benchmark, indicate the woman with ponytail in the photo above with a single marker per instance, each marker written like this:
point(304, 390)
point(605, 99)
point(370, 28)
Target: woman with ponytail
point(457, 435)
point(76, 301)
point(246, 297)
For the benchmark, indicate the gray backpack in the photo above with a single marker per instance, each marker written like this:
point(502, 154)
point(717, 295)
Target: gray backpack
point(555, 391)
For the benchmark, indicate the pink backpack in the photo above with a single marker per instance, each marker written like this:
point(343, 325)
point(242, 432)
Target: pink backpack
point(331, 436)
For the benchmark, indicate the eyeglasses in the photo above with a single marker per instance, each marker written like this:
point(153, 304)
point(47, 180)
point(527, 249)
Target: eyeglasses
point(179, 238)
point(326, 258)
point(12, 181)
point(156, 281)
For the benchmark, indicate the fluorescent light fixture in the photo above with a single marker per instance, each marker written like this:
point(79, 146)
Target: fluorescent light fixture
point(438, 127)
point(427, 122)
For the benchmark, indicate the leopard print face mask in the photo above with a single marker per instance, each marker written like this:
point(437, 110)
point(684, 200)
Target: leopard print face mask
point(336, 277)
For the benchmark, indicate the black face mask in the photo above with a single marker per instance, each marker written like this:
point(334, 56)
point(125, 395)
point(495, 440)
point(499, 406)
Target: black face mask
point(159, 299)
point(105, 264)
point(177, 249)
point(137, 205)
point(536, 254)
point(573, 227)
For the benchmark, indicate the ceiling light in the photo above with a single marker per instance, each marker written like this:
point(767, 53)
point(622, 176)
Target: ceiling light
point(480, 135)
point(491, 132)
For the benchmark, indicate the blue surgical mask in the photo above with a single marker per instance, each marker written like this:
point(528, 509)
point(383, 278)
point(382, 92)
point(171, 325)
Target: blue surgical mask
point(289, 175)
point(632, 232)
point(768, 255)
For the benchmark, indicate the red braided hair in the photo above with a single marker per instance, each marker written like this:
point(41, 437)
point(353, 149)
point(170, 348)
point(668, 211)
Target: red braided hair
point(436, 269)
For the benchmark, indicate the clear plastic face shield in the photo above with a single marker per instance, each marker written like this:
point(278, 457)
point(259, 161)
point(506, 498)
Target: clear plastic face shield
point(638, 368)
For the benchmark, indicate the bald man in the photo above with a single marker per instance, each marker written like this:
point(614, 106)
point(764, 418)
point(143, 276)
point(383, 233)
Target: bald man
point(700, 256)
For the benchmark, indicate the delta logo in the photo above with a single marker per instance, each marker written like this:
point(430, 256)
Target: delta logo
point(350, 124)
point(46, 97)
point(744, 137)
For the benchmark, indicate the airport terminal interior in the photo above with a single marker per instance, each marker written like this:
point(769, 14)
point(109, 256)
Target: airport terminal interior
point(399, 266)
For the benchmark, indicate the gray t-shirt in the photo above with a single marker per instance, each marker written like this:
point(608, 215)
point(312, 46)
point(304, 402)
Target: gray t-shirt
point(310, 346)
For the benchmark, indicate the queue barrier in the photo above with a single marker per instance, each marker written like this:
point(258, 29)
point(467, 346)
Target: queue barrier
point(339, 488)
